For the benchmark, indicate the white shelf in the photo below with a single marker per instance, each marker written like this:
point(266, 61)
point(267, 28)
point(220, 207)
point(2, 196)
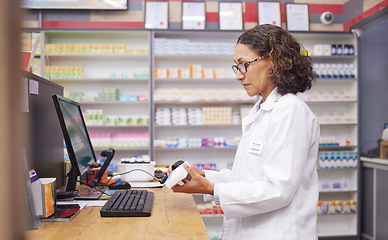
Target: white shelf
point(337, 80)
point(97, 55)
point(100, 79)
point(117, 126)
point(112, 102)
point(337, 169)
point(204, 102)
point(337, 234)
point(336, 124)
point(337, 225)
point(121, 148)
point(201, 126)
point(336, 148)
point(340, 191)
point(338, 214)
point(331, 101)
point(333, 57)
point(192, 57)
point(202, 80)
point(201, 148)
point(212, 215)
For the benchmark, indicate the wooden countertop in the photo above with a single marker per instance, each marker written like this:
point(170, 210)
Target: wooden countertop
point(173, 216)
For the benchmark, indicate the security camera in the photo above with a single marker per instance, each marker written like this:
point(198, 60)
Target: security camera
point(356, 32)
point(327, 18)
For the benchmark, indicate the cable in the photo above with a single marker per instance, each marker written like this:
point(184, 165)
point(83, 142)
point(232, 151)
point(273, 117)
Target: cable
point(100, 190)
point(103, 192)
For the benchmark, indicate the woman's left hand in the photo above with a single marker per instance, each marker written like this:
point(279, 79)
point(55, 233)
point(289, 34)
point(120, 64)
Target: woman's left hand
point(197, 183)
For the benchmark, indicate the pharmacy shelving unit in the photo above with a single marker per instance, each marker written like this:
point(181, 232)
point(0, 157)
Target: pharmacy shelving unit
point(173, 53)
point(329, 99)
point(333, 98)
point(109, 59)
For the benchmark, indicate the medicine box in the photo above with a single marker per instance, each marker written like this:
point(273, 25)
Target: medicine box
point(44, 197)
point(384, 150)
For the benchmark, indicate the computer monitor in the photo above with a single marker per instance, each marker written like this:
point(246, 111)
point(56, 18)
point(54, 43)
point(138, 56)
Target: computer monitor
point(44, 146)
point(78, 144)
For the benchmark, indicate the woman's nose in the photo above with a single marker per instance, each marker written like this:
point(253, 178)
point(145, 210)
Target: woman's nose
point(239, 76)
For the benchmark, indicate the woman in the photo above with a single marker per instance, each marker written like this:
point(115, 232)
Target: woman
point(272, 190)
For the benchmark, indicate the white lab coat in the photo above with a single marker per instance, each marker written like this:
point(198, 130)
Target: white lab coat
point(272, 190)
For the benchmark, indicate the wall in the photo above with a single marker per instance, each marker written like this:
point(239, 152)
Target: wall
point(12, 126)
point(373, 84)
point(346, 13)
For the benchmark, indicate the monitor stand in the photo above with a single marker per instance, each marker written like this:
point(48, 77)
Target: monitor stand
point(66, 195)
point(70, 187)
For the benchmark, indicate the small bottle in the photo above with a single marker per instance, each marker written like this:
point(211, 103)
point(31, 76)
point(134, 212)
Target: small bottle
point(333, 49)
point(339, 49)
point(346, 49)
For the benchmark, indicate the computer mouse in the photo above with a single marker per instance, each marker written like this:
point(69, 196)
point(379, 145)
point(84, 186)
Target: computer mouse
point(119, 185)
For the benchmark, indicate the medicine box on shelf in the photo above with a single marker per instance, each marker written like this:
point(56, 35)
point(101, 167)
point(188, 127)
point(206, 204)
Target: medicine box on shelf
point(384, 150)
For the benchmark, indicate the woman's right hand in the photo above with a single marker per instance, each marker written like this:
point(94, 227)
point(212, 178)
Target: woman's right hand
point(195, 182)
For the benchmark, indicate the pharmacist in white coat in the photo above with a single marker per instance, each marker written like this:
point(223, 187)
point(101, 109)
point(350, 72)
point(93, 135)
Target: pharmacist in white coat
point(272, 190)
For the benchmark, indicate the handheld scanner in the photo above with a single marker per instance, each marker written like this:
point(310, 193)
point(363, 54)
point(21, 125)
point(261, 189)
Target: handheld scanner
point(176, 176)
point(174, 166)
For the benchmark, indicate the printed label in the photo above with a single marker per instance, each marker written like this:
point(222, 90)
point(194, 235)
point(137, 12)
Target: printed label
point(256, 148)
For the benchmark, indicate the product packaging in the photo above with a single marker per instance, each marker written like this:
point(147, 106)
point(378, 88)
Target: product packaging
point(44, 196)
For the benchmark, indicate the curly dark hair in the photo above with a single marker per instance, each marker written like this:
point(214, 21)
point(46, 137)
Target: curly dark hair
point(292, 72)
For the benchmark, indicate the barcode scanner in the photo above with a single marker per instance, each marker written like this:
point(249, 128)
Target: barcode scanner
point(107, 155)
point(174, 166)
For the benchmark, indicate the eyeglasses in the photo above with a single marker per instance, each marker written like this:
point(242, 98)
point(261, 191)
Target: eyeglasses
point(242, 67)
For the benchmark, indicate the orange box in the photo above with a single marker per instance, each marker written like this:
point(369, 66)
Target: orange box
point(44, 195)
point(384, 150)
point(25, 56)
point(93, 172)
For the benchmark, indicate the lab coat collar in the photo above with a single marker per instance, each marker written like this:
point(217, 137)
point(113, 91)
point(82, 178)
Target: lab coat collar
point(272, 98)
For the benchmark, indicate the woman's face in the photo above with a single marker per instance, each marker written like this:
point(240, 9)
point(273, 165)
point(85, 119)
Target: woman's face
point(255, 80)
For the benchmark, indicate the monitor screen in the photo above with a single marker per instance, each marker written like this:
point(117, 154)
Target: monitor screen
point(76, 136)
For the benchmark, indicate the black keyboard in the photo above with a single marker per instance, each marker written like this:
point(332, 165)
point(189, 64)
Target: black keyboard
point(129, 203)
